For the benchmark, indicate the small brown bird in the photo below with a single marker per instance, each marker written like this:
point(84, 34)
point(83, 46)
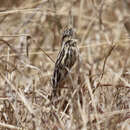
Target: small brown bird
point(65, 61)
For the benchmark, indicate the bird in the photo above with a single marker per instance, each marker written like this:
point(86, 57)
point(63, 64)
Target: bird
point(65, 61)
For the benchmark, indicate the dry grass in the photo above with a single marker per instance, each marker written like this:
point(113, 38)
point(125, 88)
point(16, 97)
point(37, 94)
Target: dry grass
point(100, 98)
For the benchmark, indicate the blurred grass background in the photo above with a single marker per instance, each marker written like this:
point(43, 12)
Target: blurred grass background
point(101, 100)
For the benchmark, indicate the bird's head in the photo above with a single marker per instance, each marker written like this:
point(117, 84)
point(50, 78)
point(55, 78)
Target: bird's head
point(68, 33)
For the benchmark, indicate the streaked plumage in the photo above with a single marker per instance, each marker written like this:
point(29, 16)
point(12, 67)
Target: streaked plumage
point(65, 61)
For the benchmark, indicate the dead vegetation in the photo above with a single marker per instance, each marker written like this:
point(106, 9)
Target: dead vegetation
point(30, 36)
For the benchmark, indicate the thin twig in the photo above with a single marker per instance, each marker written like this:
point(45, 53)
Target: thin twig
point(9, 126)
point(100, 14)
point(47, 55)
point(17, 35)
point(109, 53)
